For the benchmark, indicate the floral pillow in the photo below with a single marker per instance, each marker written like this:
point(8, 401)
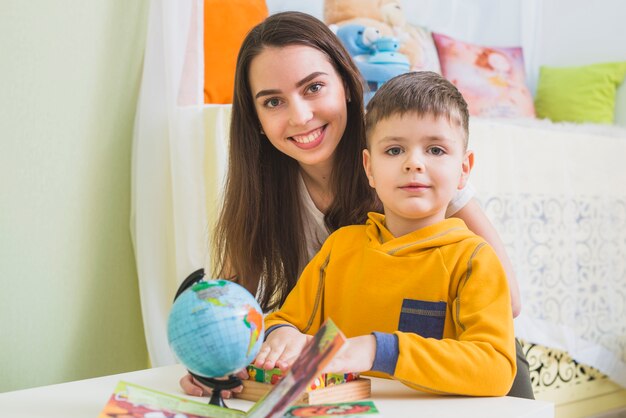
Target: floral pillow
point(492, 80)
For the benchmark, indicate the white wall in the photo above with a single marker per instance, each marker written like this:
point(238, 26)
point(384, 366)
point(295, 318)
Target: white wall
point(578, 32)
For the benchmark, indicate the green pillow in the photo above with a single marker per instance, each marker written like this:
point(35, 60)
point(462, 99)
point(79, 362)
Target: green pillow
point(579, 94)
point(620, 106)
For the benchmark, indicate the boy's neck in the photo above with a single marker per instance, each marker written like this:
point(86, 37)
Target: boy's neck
point(400, 226)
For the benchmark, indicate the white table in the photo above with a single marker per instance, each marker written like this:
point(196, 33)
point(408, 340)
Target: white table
point(86, 398)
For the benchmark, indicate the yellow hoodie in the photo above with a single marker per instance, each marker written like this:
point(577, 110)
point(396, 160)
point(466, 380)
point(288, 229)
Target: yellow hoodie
point(436, 300)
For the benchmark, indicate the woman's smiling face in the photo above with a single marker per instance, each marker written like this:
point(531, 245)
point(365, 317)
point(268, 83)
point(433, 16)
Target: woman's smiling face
point(301, 102)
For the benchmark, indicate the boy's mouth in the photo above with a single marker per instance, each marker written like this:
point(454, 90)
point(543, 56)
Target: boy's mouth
point(414, 187)
point(310, 139)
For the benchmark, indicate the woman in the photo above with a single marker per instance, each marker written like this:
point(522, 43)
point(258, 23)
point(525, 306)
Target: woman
point(295, 170)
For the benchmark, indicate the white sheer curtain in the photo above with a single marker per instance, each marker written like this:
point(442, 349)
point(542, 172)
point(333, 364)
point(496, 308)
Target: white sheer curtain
point(168, 194)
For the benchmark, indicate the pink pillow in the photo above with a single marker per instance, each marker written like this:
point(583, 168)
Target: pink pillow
point(492, 80)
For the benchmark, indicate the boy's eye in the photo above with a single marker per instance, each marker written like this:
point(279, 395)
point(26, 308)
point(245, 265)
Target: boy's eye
point(273, 102)
point(437, 151)
point(394, 151)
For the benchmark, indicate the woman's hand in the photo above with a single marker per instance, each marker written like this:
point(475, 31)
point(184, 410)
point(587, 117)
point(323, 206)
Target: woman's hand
point(191, 386)
point(281, 348)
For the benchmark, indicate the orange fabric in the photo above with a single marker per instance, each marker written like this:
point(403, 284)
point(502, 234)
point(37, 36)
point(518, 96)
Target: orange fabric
point(226, 23)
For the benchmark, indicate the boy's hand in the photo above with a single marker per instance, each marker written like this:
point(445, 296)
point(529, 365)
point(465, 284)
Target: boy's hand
point(356, 355)
point(281, 348)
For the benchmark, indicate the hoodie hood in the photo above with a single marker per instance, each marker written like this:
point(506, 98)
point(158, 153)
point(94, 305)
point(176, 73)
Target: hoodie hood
point(446, 232)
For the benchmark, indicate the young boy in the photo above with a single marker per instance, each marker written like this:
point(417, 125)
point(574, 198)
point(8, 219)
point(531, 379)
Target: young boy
point(420, 297)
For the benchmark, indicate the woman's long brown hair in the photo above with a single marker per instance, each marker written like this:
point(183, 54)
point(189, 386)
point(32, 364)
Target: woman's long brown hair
point(259, 237)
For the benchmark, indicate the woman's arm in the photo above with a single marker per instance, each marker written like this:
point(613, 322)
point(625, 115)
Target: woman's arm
point(478, 222)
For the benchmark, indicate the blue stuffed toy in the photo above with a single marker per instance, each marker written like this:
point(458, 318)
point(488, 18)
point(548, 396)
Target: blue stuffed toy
point(375, 56)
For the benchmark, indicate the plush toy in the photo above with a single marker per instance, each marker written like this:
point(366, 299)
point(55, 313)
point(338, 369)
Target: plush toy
point(358, 39)
point(386, 16)
point(376, 56)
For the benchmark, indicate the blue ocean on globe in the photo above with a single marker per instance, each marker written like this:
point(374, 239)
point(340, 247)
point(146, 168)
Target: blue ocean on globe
point(215, 328)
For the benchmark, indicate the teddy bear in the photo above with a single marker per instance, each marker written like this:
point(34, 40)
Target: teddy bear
point(386, 16)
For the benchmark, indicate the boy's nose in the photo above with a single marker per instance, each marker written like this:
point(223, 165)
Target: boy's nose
point(413, 163)
point(300, 113)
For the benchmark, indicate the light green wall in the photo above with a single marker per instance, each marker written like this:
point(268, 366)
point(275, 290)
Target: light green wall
point(69, 79)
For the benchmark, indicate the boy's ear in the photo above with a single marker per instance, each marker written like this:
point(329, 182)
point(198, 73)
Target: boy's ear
point(466, 167)
point(367, 165)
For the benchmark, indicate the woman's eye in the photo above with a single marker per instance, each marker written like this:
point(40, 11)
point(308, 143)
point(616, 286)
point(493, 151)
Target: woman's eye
point(394, 151)
point(273, 102)
point(314, 88)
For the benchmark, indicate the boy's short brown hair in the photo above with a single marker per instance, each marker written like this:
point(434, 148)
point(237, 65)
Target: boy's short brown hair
point(423, 93)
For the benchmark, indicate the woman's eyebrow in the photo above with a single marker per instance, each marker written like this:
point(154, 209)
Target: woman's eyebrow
point(309, 78)
point(267, 93)
point(298, 84)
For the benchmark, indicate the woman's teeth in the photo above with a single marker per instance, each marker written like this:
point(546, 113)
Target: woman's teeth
point(305, 139)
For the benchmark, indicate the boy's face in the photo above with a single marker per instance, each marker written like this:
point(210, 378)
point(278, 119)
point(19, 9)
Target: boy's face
point(416, 164)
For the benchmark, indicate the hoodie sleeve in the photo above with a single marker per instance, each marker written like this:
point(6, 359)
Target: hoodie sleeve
point(481, 360)
point(303, 306)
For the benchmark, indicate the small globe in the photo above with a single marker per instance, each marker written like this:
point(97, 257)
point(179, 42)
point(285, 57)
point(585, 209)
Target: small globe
point(215, 328)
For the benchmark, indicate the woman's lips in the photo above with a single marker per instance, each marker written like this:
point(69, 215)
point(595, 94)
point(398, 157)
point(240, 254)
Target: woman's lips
point(311, 139)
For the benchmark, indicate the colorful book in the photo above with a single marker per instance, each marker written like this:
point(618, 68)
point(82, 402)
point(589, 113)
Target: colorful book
point(345, 409)
point(138, 401)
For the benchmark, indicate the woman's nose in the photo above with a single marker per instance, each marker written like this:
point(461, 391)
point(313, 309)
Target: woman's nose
point(300, 113)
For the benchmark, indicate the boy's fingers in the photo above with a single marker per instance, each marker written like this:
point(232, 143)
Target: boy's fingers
point(282, 365)
point(260, 358)
point(272, 356)
point(287, 358)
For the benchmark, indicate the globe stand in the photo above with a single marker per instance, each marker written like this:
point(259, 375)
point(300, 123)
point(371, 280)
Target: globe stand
point(218, 385)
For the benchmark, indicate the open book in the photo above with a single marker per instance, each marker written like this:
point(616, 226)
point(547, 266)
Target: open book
point(143, 402)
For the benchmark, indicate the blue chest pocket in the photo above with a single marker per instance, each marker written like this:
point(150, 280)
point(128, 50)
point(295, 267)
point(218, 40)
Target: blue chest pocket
point(423, 318)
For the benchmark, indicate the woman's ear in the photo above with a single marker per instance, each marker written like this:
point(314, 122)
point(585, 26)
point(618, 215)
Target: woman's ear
point(466, 168)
